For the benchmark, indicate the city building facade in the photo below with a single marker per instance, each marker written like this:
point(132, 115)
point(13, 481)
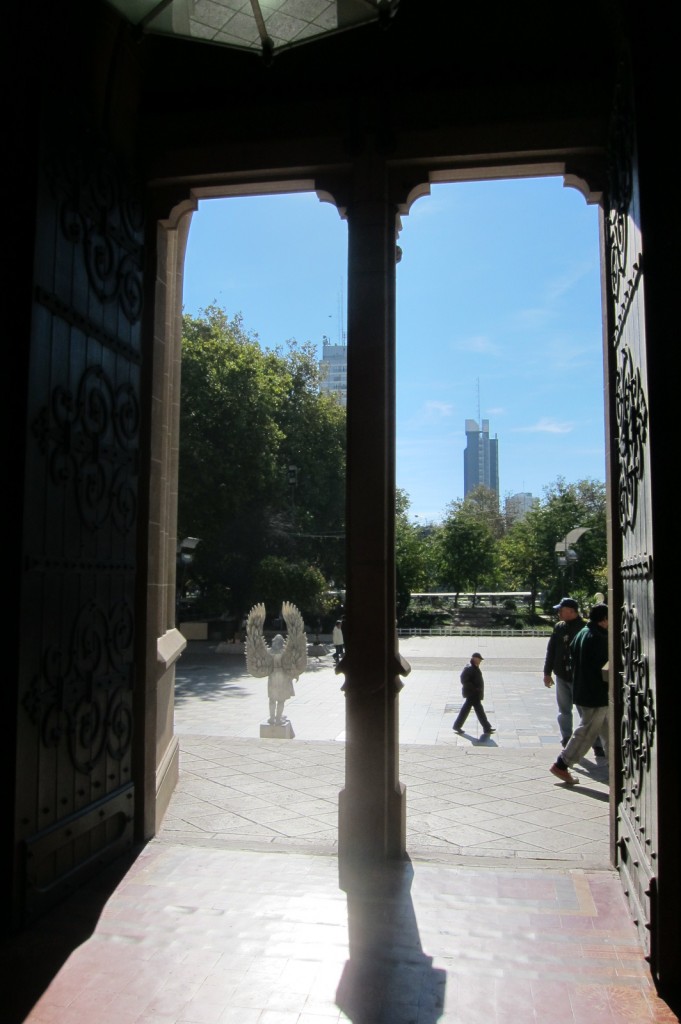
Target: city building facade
point(333, 368)
point(480, 458)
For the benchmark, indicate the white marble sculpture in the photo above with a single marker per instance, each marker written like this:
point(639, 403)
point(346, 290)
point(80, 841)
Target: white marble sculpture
point(282, 662)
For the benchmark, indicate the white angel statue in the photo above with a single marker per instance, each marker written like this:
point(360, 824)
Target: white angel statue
point(282, 662)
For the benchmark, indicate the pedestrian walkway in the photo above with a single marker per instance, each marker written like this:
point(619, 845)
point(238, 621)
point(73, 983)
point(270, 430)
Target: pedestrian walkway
point(506, 912)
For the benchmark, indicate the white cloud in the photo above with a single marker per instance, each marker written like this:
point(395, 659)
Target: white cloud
point(560, 285)
point(476, 343)
point(546, 426)
point(529, 319)
point(437, 410)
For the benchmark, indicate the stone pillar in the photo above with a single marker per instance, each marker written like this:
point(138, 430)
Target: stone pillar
point(372, 823)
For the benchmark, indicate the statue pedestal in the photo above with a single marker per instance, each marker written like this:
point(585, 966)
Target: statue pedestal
point(276, 732)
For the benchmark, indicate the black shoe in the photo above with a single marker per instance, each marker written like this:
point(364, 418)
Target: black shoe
point(488, 732)
point(457, 729)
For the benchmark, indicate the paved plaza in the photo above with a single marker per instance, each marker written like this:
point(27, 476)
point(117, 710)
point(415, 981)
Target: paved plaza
point(469, 795)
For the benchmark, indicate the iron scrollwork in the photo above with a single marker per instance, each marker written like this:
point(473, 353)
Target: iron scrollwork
point(92, 439)
point(98, 215)
point(638, 711)
point(632, 432)
point(83, 698)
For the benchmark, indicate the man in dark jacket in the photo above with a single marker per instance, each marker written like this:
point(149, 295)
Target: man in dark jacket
point(473, 691)
point(589, 655)
point(558, 663)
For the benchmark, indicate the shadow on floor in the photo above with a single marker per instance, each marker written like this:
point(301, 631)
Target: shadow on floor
point(32, 958)
point(388, 977)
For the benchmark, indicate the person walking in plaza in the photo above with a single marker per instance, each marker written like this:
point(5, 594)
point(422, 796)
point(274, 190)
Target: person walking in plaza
point(337, 640)
point(558, 662)
point(473, 692)
point(589, 655)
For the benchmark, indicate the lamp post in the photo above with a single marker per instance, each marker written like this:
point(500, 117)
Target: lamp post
point(565, 552)
point(185, 556)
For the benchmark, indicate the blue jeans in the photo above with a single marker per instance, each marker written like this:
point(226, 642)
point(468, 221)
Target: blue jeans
point(564, 701)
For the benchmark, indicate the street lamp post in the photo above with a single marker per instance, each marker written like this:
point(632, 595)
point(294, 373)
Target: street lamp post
point(185, 556)
point(566, 554)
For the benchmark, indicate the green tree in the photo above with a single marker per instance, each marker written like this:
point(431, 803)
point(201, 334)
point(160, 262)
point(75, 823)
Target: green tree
point(568, 506)
point(482, 504)
point(412, 554)
point(527, 552)
point(276, 580)
point(246, 415)
point(314, 442)
point(466, 550)
point(526, 555)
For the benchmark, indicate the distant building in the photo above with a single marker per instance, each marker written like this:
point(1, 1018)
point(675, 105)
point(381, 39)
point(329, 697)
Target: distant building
point(333, 367)
point(518, 505)
point(480, 459)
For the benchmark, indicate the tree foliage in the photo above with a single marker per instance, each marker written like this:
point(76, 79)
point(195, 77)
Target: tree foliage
point(277, 580)
point(466, 548)
point(247, 414)
point(473, 548)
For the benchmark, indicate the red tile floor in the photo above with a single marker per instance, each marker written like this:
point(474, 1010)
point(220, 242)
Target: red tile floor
point(191, 934)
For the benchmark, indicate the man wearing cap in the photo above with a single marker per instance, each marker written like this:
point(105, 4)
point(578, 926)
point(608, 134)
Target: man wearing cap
point(590, 654)
point(558, 661)
point(473, 692)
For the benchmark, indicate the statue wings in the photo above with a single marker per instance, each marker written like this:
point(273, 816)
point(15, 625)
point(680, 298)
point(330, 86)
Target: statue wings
point(259, 658)
point(294, 658)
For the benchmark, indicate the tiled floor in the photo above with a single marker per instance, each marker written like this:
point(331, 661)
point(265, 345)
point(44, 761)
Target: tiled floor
point(210, 936)
point(507, 912)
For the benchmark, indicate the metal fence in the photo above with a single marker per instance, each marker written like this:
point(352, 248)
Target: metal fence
point(473, 631)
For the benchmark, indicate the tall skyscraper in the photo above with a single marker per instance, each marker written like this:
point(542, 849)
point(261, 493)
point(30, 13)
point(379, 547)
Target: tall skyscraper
point(480, 459)
point(334, 371)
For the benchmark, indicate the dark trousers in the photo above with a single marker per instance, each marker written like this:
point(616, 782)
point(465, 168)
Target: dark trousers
point(476, 704)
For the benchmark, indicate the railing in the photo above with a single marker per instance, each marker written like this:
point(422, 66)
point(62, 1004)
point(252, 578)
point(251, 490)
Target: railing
point(473, 631)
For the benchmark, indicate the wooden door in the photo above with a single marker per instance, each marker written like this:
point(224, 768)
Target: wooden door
point(74, 790)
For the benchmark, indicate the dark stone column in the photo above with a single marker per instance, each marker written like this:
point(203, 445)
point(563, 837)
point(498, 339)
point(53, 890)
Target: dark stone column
point(372, 825)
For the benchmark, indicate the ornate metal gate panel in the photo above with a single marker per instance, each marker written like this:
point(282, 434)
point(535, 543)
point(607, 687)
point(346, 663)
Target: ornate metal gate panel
point(74, 801)
point(634, 672)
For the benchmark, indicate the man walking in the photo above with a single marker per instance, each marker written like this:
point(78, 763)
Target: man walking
point(558, 662)
point(589, 655)
point(473, 691)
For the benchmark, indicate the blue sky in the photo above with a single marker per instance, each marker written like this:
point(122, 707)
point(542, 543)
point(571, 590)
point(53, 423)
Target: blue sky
point(498, 314)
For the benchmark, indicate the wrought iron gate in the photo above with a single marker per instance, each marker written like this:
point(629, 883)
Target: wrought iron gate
point(634, 673)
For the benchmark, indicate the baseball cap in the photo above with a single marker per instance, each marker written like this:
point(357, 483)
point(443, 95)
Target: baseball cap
point(477, 655)
point(566, 602)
